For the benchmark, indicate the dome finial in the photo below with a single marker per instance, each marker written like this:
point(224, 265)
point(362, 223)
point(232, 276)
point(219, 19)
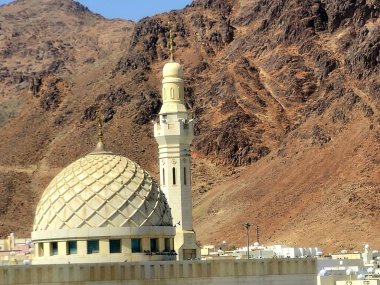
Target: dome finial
point(100, 148)
point(171, 42)
point(100, 128)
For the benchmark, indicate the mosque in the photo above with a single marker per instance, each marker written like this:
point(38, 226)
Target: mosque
point(106, 208)
point(106, 211)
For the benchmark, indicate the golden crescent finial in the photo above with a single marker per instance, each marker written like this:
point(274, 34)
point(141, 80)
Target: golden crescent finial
point(171, 41)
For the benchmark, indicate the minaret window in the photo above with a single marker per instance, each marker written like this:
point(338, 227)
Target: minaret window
point(171, 93)
point(164, 93)
point(174, 181)
point(163, 176)
point(184, 176)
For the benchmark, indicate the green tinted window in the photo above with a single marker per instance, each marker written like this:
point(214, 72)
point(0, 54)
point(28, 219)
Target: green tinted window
point(92, 246)
point(72, 247)
point(136, 245)
point(115, 246)
point(154, 245)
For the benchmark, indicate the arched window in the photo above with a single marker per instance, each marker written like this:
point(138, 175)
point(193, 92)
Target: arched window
point(174, 181)
point(184, 176)
point(163, 176)
point(164, 94)
point(171, 93)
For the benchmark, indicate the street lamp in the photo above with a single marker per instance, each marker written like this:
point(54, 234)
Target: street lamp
point(247, 226)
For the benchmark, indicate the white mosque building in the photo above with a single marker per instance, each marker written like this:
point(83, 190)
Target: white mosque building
point(106, 208)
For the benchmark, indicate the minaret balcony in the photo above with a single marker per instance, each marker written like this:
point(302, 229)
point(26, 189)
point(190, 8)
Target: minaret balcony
point(173, 128)
point(180, 132)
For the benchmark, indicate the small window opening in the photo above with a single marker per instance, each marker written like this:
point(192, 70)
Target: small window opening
point(174, 181)
point(54, 248)
point(72, 247)
point(184, 176)
point(136, 245)
point(40, 249)
point(115, 246)
point(168, 246)
point(154, 245)
point(92, 246)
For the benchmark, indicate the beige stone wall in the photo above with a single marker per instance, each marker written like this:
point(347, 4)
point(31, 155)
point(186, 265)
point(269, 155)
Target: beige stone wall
point(252, 272)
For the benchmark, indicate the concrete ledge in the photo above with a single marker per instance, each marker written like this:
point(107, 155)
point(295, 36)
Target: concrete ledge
point(263, 271)
point(84, 233)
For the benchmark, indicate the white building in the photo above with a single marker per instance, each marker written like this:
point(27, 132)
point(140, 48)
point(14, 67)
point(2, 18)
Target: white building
point(350, 268)
point(278, 251)
point(15, 250)
point(294, 252)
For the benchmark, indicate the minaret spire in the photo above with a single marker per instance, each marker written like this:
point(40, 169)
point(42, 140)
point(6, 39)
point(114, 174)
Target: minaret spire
point(171, 42)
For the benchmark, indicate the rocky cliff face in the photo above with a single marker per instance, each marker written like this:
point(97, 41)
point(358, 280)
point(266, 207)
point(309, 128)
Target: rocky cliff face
point(285, 94)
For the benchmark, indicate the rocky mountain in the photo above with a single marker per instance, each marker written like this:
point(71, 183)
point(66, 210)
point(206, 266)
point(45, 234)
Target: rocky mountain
point(285, 94)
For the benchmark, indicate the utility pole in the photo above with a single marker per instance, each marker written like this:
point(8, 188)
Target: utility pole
point(257, 234)
point(247, 226)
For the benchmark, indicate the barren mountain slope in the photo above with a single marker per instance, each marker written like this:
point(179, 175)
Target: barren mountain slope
point(320, 185)
point(285, 93)
point(53, 53)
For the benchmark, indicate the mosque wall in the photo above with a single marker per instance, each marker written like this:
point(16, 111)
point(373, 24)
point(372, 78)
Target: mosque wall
point(260, 272)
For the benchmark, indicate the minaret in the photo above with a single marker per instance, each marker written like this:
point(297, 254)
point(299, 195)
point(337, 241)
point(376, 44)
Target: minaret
point(174, 133)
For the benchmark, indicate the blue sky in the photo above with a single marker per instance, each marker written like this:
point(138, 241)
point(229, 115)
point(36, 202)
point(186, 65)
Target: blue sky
point(129, 9)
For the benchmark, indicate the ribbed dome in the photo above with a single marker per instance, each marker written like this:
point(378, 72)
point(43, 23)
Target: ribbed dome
point(172, 69)
point(102, 190)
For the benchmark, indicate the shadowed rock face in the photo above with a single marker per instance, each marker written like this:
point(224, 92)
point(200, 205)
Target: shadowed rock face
point(283, 92)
